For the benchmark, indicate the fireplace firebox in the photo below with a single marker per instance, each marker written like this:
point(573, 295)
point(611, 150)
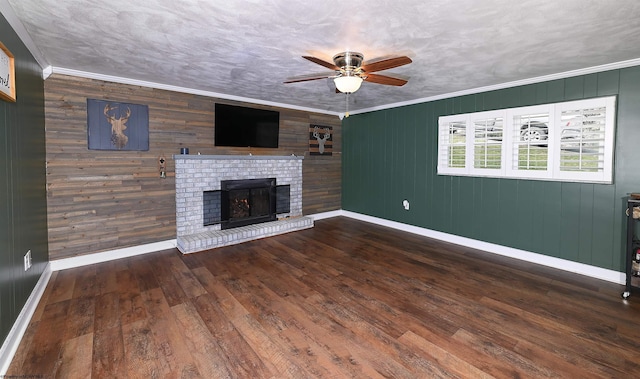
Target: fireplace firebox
point(246, 202)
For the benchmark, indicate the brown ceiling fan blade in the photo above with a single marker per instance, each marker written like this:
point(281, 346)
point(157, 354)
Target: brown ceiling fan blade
point(321, 62)
point(384, 79)
point(306, 78)
point(386, 64)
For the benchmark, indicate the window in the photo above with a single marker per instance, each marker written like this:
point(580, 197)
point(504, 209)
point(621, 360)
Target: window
point(570, 141)
point(529, 142)
point(453, 143)
point(487, 141)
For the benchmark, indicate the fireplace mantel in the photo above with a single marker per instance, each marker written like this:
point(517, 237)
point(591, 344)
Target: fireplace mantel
point(196, 174)
point(237, 157)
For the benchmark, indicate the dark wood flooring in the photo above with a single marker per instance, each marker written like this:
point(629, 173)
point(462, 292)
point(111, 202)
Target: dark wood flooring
point(345, 299)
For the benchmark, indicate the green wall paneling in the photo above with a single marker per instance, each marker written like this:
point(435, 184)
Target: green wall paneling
point(570, 225)
point(628, 139)
point(511, 97)
point(397, 128)
point(419, 158)
point(605, 209)
point(403, 156)
point(581, 222)
point(555, 91)
point(590, 85)
point(608, 83)
point(627, 157)
point(525, 201)
point(375, 157)
point(508, 190)
point(574, 88)
point(23, 224)
point(552, 218)
point(6, 276)
point(586, 219)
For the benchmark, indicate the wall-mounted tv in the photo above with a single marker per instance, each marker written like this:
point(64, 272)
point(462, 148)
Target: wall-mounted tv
point(246, 127)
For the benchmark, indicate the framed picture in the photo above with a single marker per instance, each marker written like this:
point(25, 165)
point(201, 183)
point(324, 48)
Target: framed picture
point(320, 140)
point(117, 126)
point(7, 75)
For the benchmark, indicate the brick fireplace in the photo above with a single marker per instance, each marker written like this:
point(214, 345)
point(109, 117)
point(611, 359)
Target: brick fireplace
point(199, 181)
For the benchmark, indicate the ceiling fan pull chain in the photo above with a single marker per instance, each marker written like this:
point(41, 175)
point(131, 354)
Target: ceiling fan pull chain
point(347, 105)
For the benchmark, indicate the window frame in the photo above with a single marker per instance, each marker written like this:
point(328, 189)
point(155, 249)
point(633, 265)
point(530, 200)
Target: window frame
point(471, 157)
point(512, 172)
point(444, 143)
point(511, 134)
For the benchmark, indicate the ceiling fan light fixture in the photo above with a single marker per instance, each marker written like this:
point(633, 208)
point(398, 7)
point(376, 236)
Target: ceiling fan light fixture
point(348, 83)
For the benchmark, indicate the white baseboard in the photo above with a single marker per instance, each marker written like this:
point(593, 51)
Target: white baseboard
point(11, 343)
point(323, 215)
point(83, 260)
point(545, 260)
point(541, 259)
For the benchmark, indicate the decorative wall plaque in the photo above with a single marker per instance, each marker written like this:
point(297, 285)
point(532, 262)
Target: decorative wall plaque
point(7, 75)
point(117, 126)
point(320, 140)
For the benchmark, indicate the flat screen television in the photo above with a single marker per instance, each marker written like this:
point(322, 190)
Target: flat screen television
point(246, 127)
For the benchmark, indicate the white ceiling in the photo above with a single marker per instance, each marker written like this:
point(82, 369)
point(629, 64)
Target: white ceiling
point(247, 48)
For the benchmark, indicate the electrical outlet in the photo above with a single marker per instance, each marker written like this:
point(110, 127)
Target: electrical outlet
point(27, 260)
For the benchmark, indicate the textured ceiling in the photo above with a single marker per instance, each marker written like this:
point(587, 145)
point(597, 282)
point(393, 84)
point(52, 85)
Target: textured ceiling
point(247, 48)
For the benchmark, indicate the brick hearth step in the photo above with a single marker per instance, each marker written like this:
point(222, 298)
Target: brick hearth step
point(217, 238)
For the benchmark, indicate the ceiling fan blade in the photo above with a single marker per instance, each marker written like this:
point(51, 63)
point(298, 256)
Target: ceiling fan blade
point(306, 78)
point(386, 64)
point(384, 79)
point(321, 62)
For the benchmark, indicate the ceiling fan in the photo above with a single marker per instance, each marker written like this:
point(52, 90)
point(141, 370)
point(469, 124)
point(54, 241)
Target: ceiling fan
point(349, 70)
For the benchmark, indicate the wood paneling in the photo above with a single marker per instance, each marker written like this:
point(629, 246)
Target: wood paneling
point(581, 222)
point(102, 200)
point(345, 299)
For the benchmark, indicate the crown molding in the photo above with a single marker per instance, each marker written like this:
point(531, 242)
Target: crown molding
point(516, 83)
point(22, 33)
point(142, 83)
point(538, 79)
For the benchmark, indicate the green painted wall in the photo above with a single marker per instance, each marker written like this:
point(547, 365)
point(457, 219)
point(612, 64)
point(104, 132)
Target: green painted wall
point(390, 155)
point(23, 222)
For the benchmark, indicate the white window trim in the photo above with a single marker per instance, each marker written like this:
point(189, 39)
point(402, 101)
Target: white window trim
point(553, 171)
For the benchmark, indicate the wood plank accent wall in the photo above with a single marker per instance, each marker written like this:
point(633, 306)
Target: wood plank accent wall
point(104, 200)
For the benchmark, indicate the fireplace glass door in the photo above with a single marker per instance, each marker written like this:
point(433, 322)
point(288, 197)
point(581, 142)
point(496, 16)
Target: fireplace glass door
point(246, 202)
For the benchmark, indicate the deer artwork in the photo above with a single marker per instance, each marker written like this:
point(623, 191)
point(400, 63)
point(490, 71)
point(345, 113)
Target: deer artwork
point(118, 126)
point(321, 140)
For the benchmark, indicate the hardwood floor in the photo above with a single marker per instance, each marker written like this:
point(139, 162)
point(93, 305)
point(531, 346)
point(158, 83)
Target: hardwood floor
point(344, 299)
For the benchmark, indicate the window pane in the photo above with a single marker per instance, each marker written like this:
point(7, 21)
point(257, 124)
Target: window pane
point(455, 139)
point(488, 143)
point(582, 139)
point(530, 141)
